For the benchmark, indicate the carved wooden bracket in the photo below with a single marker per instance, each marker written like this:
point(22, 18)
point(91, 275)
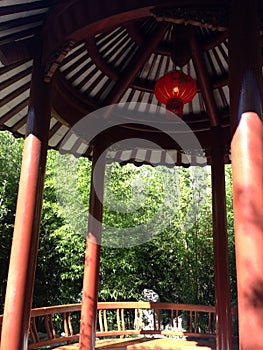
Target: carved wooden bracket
point(56, 60)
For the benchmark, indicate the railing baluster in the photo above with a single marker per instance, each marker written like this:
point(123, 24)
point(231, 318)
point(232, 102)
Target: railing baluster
point(101, 322)
point(136, 319)
point(65, 324)
point(195, 322)
point(52, 326)
point(33, 333)
point(159, 318)
point(71, 332)
point(48, 328)
point(154, 319)
point(209, 323)
point(105, 321)
point(123, 320)
point(118, 320)
point(140, 319)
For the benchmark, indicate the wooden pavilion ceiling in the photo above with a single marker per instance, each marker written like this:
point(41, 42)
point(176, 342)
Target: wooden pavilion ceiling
point(98, 54)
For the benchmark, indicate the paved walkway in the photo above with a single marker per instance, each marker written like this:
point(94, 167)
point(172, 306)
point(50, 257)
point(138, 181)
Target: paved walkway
point(146, 344)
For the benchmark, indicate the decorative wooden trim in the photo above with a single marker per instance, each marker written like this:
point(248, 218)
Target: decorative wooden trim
point(56, 60)
point(213, 18)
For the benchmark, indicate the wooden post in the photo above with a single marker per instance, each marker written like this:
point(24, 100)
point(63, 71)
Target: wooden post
point(22, 266)
point(92, 256)
point(222, 283)
point(247, 164)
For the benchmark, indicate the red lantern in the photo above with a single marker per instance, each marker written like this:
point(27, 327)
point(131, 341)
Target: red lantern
point(174, 90)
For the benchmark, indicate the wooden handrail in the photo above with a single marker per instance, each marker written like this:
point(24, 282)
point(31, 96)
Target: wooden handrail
point(60, 324)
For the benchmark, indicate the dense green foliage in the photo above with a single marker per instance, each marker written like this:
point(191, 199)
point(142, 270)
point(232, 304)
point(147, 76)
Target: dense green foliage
point(175, 257)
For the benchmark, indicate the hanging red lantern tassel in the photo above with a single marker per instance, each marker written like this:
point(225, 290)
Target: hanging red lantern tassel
point(175, 89)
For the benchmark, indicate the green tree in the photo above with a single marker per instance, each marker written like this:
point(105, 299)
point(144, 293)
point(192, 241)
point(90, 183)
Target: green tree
point(175, 258)
point(61, 249)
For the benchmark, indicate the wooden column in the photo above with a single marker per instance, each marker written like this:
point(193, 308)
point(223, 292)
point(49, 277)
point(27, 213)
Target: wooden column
point(92, 256)
point(247, 164)
point(222, 283)
point(26, 232)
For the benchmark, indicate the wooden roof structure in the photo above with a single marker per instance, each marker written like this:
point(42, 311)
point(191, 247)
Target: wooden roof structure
point(115, 60)
point(62, 61)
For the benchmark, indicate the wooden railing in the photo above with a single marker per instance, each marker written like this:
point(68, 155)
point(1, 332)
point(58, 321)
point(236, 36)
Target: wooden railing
point(60, 324)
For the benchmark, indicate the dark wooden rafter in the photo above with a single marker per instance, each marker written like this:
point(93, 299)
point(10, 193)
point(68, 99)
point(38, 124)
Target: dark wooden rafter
point(13, 111)
point(10, 38)
point(219, 61)
point(113, 41)
point(14, 94)
point(88, 77)
point(54, 129)
point(204, 81)
point(79, 73)
point(75, 65)
point(18, 52)
point(14, 23)
point(20, 123)
point(36, 5)
point(94, 83)
point(75, 54)
point(124, 54)
point(15, 78)
point(136, 64)
point(4, 70)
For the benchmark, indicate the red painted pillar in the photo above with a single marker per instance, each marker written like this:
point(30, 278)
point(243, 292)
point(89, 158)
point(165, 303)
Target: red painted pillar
point(26, 232)
point(222, 283)
point(92, 256)
point(247, 164)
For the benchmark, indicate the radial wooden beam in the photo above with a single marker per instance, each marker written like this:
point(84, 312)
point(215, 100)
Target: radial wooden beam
point(247, 163)
point(137, 62)
point(99, 61)
point(203, 80)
